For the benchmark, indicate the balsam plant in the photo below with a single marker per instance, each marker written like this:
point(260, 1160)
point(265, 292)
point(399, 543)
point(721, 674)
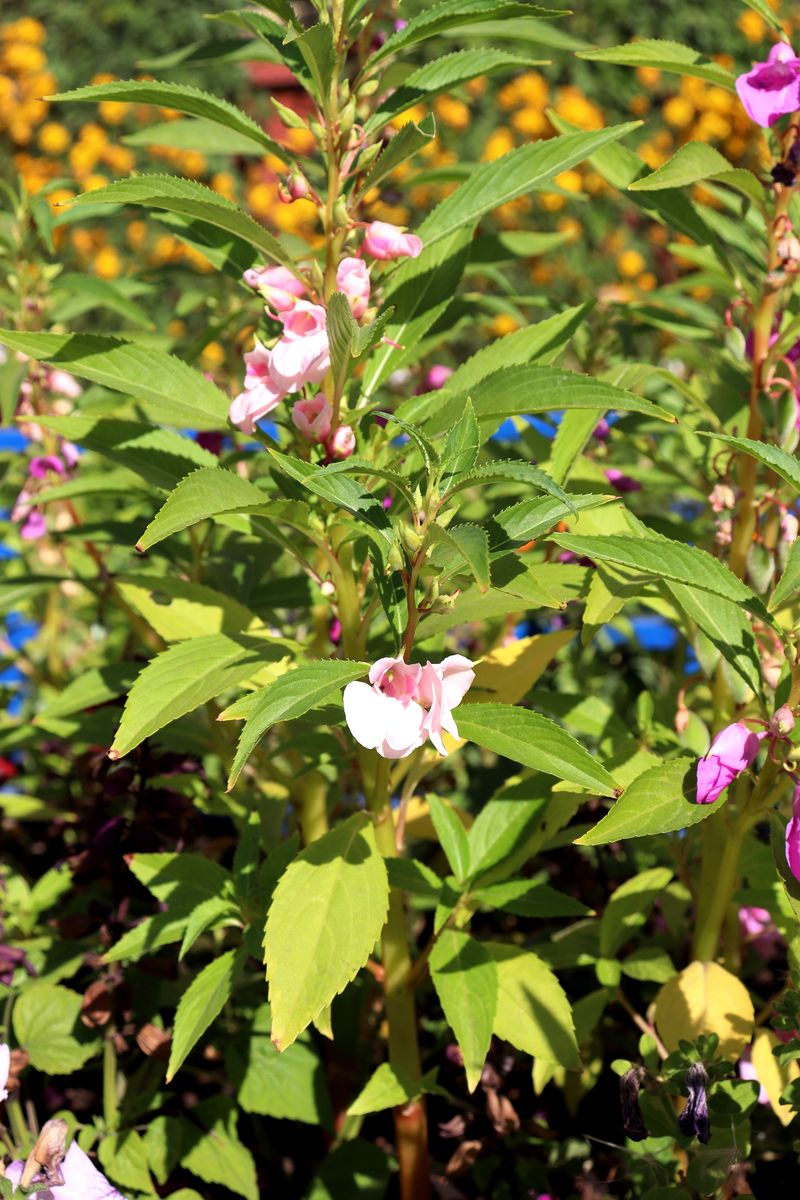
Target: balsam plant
point(376, 607)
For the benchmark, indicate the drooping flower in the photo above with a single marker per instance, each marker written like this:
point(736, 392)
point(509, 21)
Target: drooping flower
point(312, 418)
point(405, 703)
point(793, 836)
point(302, 355)
point(342, 442)
point(384, 242)
point(5, 1069)
point(279, 287)
point(732, 751)
point(80, 1179)
point(771, 89)
point(693, 1121)
point(352, 278)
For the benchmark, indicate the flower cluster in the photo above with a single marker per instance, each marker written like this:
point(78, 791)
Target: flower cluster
point(404, 704)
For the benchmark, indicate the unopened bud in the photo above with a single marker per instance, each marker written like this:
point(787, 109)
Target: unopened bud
point(316, 129)
point(341, 216)
point(410, 537)
point(348, 115)
point(788, 250)
point(298, 186)
point(289, 117)
point(369, 88)
point(368, 156)
point(327, 588)
point(284, 195)
point(782, 722)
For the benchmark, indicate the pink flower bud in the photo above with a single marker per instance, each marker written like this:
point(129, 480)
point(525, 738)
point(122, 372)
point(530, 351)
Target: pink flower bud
point(34, 527)
point(63, 384)
point(279, 287)
point(790, 527)
point(732, 751)
point(384, 241)
point(298, 186)
point(722, 497)
point(312, 418)
point(352, 278)
point(793, 836)
point(342, 442)
point(437, 377)
point(782, 721)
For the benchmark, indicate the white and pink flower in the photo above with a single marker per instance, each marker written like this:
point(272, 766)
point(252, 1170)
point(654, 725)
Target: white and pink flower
point(278, 286)
point(384, 242)
point(404, 704)
point(352, 278)
point(312, 418)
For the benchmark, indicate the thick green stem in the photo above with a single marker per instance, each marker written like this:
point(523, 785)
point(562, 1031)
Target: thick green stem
point(311, 793)
point(19, 1129)
point(411, 1123)
point(110, 1083)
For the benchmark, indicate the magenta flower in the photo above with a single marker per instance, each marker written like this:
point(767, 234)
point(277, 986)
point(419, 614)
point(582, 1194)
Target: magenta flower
point(403, 704)
point(342, 442)
point(352, 278)
point(279, 287)
point(771, 89)
point(732, 751)
point(5, 1068)
point(793, 836)
point(384, 242)
point(81, 1179)
point(621, 482)
point(41, 466)
point(312, 418)
point(437, 377)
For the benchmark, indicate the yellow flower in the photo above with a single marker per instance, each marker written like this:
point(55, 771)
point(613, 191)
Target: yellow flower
point(649, 76)
point(639, 105)
point(752, 26)
point(103, 77)
point(504, 323)
point(107, 262)
point(299, 141)
point(225, 184)
point(630, 263)
point(647, 282)
point(712, 128)
point(21, 58)
point(570, 181)
point(28, 29)
point(113, 111)
point(93, 182)
point(498, 143)
point(261, 199)
point(82, 240)
point(192, 163)
point(551, 201)
point(176, 328)
point(136, 234)
point(120, 159)
point(20, 131)
point(212, 355)
point(571, 227)
point(452, 112)
point(53, 138)
point(94, 135)
point(678, 112)
point(573, 106)
point(40, 83)
point(530, 121)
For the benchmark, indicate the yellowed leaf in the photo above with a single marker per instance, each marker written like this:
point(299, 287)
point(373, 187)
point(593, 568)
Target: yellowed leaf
point(771, 1075)
point(705, 998)
point(507, 674)
point(418, 819)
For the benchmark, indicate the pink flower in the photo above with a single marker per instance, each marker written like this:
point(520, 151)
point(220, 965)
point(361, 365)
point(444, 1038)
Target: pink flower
point(754, 920)
point(63, 384)
point(302, 355)
point(70, 454)
point(621, 482)
point(732, 751)
point(342, 442)
point(384, 241)
point(312, 418)
point(793, 836)
point(33, 527)
point(279, 287)
point(81, 1179)
point(352, 278)
point(437, 377)
point(261, 394)
point(748, 1071)
point(403, 704)
point(41, 466)
point(5, 1068)
point(790, 527)
point(771, 89)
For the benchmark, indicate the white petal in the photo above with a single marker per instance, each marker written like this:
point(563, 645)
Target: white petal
point(365, 713)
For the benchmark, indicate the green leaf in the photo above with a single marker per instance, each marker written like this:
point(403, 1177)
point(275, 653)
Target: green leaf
point(465, 977)
point(415, 877)
point(461, 446)
point(534, 741)
point(437, 19)
point(178, 609)
point(291, 695)
point(337, 489)
point(319, 54)
point(533, 1012)
point(629, 907)
point(95, 686)
point(765, 12)
point(470, 545)
point(288, 1086)
point(529, 388)
point(202, 494)
point(326, 915)
point(726, 626)
point(192, 200)
point(504, 825)
point(452, 836)
point(788, 585)
point(342, 329)
point(387, 1087)
point(46, 1023)
point(217, 1155)
point(88, 292)
point(526, 899)
point(185, 676)
point(522, 522)
point(404, 145)
point(780, 461)
point(207, 137)
point(179, 394)
point(664, 559)
point(124, 1158)
point(696, 162)
point(183, 98)
point(660, 800)
point(515, 471)
point(664, 56)
point(201, 1004)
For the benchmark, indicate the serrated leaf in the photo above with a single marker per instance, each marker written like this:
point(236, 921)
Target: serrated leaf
point(506, 674)
point(696, 162)
point(426, 448)
point(629, 907)
point(178, 609)
point(437, 19)
point(326, 915)
point(461, 447)
point(534, 741)
point(290, 696)
point(341, 329)
point(788, 585)
point(181, 395)
point(124, 1159)
point(86, 292)
point(201, 1004)
point(661, 800)
point(465, 977)
point(471, 546)
point(337, 489)
point(515, 471)
point(406, 142)
point(705, 998)
point(95, 686)
point(725, 625)
point(192, 200)
point(216, 1154)
point(780, 461)
point(46, 1023)
point(415, 877)
point(185, 676)
point(288, 1086)
point(663, 56)
point(387, 1087)
point(525, 521)
point(182, 97)
point(202, 494)
point(452, 836)
point(526, 899)
point(533, 1012)
point(206, 137)
point(319, 54)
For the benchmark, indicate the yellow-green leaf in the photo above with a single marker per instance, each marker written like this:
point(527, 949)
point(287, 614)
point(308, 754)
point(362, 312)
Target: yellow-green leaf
point(705, 998)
